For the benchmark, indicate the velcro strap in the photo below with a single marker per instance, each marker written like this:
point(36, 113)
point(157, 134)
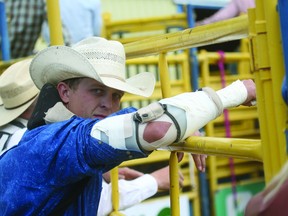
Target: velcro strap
point(216, 99)
point(149, 113)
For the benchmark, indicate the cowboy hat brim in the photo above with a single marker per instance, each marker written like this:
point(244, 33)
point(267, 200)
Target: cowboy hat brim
point(8, 115)
point(58, 63)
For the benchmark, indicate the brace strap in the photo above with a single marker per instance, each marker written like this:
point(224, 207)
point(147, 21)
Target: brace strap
point(215, 98)
point(152, 112)
point(149, 113)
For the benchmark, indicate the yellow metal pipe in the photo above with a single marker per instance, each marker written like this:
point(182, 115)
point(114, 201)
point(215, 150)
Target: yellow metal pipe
point(124, 24)
point(173, 162)
point(209, 128)
point(268, 68)
point(277, 106)
point(115, 193)
point(229, 56)
point(164, 76)
point(54, 22)
point(227, 30)
point(229, 147)
point(174, 184)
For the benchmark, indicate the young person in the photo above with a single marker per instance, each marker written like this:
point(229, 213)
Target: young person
point(57, 168)
point(20, 95)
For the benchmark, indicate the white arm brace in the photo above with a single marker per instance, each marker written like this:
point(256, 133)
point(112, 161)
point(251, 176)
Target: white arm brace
point(191, 111)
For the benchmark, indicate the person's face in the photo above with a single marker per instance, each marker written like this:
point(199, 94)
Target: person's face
point(90, 99)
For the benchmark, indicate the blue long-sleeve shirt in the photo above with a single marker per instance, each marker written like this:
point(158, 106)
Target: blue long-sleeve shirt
point(44, 167)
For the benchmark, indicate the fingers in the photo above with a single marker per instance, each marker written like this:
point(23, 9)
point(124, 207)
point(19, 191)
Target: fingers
point(128, 173)
point(180, 156)
point(200, 162)
point(251, 92)
point(106, 177)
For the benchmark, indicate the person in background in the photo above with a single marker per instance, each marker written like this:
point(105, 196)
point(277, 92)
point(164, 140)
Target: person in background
point(234, 8)
point(80, 19)
point(24, 19)
point(60, 164)
point(18, 94)
point(272, 200)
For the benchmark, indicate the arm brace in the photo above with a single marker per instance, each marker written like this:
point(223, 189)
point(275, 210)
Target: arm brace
point(191, 111)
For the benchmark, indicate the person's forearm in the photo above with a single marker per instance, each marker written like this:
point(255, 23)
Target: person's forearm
point(227, 12)
point(172, 120)
point(130, 193)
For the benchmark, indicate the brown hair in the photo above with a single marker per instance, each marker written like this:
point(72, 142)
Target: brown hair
point(73, 83)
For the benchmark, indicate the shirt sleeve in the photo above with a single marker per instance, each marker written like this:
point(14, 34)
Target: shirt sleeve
point(227, 12)
point(130, 193)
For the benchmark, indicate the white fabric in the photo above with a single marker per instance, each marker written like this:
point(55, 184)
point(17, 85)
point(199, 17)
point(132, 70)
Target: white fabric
point(57, 113)
point(233, 95)
point(130, 193)
point(200, 108)
point(15, 136)
point(118, 130)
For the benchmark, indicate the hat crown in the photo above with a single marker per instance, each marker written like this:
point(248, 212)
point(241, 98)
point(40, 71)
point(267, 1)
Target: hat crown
point(16, 85)
point(107, 57)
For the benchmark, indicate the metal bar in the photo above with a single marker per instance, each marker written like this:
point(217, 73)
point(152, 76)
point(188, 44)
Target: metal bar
point(219, 32)
point(54, 22)
point(173, 162)
point(228, 147)
point(4, 37)
point(268, 69)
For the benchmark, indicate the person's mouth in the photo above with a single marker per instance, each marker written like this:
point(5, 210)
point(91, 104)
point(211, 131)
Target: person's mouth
point(99, 116)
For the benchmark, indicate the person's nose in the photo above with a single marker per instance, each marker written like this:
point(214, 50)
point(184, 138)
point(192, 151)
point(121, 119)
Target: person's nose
point(107, 102)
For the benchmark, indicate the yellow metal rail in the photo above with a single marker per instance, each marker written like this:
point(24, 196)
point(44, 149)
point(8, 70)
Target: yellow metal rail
point(227, 30)
point(268, 67)
point(228, 147)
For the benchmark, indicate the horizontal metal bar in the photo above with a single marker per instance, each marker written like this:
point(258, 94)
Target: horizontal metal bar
point(223, 31)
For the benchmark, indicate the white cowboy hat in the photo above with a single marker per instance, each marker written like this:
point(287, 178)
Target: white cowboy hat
point(96, 58)
point(17, 91)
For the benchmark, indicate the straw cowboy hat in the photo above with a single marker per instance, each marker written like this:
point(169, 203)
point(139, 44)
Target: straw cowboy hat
point(96, 58)
point(17, 91)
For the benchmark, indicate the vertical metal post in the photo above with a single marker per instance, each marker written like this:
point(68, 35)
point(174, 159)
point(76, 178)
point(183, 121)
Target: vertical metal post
point(268, 68)
point(115, 192)
point(173, 162)
point(4, 37)
point(54, 22)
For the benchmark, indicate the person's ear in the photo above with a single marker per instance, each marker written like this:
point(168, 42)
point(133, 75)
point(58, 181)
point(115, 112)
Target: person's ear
point(63, 90)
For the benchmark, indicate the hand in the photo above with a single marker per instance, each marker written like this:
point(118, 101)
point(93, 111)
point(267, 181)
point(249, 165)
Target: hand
point(251, 89)
point(163, 179)
point(199, 160)
point(124, 173)
point(128, 173)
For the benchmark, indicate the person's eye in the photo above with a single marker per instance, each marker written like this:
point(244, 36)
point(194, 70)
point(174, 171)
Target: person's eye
point(97, 91)
point(117, 96)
